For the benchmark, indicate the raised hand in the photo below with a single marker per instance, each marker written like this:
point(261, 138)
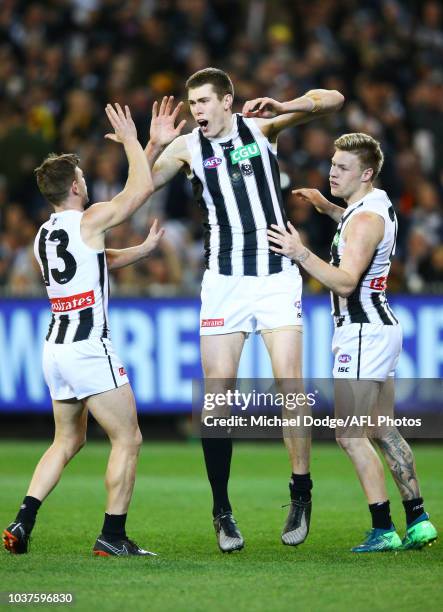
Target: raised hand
point(287, 241)
point(153, 238)
point(314, 197)
point(163, 130)
point(263, 108)
point(122, 123)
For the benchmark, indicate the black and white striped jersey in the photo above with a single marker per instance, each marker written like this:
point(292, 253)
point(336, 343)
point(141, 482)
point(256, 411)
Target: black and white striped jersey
point(367, 303)
point(76, 279)
point(236, 181)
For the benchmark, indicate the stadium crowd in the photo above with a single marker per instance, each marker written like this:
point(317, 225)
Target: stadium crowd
point(61, 61)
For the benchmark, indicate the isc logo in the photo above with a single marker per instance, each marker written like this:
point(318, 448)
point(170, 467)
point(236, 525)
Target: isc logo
point(343, 369)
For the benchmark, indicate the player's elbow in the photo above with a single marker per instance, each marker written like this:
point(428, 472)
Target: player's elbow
point(346, 289)
point(337, 99)
point(141, 193)
point(146, 189)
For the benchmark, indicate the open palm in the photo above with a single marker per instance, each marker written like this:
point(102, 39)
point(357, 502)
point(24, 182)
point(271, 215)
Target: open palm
point(163, 130)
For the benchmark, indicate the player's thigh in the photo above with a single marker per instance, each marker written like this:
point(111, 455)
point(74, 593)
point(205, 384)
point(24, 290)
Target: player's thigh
point(285, 346)
point(70, 418)
point(220, 354)
point(115, 411)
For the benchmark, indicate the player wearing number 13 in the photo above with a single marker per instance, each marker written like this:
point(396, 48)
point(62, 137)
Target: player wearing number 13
point(80, 366)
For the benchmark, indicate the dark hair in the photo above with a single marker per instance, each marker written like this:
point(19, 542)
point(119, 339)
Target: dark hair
point(219, 80)
point(365, 147)
point(55, 176)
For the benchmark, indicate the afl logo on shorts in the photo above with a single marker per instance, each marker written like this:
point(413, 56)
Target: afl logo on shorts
point(344, 358)
point(212, 162)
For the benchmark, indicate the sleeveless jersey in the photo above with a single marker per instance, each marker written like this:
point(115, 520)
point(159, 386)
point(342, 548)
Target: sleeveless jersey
point(236, 181)
point(367, 303)
point(76, 279)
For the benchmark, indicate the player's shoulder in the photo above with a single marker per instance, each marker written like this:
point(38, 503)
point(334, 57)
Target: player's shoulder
point(179, 147)
point(378, 199)
point(46, 225)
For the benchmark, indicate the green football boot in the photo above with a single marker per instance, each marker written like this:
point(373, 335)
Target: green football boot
point(419, 533)
point(379, 540)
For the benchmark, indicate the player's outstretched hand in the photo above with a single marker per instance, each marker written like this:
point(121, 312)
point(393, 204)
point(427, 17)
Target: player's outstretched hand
point(122, 123)
point(314, 197)
point(163, 130)
point(263, 108)
point(287, 241)
point(153, 238)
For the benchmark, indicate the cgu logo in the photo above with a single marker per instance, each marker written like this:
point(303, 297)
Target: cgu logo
point(212, 162)
point(250, 150)
point(344, 358)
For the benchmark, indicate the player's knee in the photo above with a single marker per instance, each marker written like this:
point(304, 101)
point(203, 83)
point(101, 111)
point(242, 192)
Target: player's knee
point(129, 440)
point(71, 446)
point(286, 370)
point(80, 443)
point(349, 445)
point(138, 438)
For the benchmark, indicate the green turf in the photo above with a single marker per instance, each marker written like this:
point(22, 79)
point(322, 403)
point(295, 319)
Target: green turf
point(170, 514)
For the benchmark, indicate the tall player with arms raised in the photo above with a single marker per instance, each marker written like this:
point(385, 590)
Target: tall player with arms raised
point(368, 338)
point(231, 162)
point(80, 366)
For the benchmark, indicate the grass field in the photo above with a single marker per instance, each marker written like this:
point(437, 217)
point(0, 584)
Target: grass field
point(170, 514)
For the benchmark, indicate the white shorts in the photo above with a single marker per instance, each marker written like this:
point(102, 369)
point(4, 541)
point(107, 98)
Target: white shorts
point(250, 303)
point(366, 350)
point(83, 368)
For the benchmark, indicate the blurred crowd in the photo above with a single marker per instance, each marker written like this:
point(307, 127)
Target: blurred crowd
point(61, 61)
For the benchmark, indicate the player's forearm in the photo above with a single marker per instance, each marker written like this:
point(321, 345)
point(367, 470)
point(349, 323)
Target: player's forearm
point(335, 279)
point(120, 258)
point(334, 211)
point(315, 101)
point(139, 182)
point(153, 152)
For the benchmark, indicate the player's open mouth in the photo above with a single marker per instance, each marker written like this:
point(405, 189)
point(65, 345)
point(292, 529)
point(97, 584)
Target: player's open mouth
point(203, 123)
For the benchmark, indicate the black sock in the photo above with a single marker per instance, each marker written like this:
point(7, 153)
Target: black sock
point(300, 487)
point(413, 508)
point(381, 516)
point(28, 512)
point(218, 453)
point(114, 527)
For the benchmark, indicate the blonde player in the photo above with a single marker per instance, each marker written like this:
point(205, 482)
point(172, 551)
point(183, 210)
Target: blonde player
point(367, 340)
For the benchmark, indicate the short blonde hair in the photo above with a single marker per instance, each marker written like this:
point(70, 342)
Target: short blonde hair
point(365, 147)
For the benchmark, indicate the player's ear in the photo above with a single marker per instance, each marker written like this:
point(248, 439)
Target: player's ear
point(74, 187)
point(227, 101)
point(367, 175)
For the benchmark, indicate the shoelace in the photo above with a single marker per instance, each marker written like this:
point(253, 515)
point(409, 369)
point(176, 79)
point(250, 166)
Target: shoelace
point(227, 515)
point(295, 502)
